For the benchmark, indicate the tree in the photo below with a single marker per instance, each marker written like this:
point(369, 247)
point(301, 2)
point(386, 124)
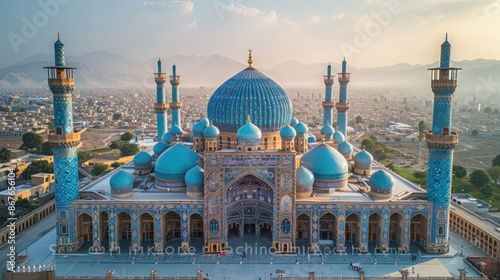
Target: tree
point(387, 138)
point(368, 143)
point(421, 176)
point(100, 169)
point(496, 161)
point(391, 166)
point(31, 140)
point(117, 144)
point(359, 119)
point(5, 155)
point(475, 132)
point(486, 190)
point(116, 164)
point(479, 178)
point(127, 136)
point(47, 149)
point(129, 149)
point(83, 156)
point(117, 116)
point(494, 173)
point(459, 171)
point(38, 166)
point(421, 130)
point(374, 138)
point(23, 203)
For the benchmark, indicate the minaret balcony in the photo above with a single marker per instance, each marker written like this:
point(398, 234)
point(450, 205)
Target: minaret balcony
point(329, 80)
point(160, 78)
point(342, 106)
point(444, 83)
point(61, 82)
point(71, 140)
point(344, 77)
point(441, 142)
point(161, 106)
point(175, 80)
point(328, 104)
point(175, 105)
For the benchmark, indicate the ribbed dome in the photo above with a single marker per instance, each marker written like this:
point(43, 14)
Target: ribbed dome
point(249, 93)
point(325, 162)
point(166, 137)
point(159, 148)
point(175, 129)
point(363, 158)
point(142, 158)
point(311, 138)
point(121, 179)
point(205, 121)
point(287, 131)
point(327, 130)
point(249, 132)
point(294, 121)
point(301, 127)
point(345, 147)
point(199, 128)
point(211, 131)
point(304, 177)
point(195, 176)
point(175, 162)
point(338, 137)
point(382, 180)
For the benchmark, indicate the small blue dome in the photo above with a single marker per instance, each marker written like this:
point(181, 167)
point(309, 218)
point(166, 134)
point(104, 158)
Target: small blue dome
point(121, 180)
point(287, 131)
point(249, 132)
point(338, 137)
point(327, 130)
point(142, 158)
point(345, 148)
point(311, 138)
point(175, 129)
point(205, 121)
point(211, 131)
point(294, 121)
point(199, 128)
point(175, 162)
point(195, 176)
point(304, 177)
point(166, 137)
point(363, 158)
point(326, 163)
point(382, 180)
point(159, 148)
point(301, 127)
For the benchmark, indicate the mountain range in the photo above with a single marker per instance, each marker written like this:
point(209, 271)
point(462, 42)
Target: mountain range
point(105, 69)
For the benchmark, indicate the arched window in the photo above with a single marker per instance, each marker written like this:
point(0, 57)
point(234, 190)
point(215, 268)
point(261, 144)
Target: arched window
point(228, 142)
point(446, 131)
point(58, 130)
point(440, 230)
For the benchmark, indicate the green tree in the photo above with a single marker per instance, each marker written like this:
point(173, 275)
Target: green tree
point(368, 143)
point(83, 156)
point(37, 166)
point(5, 155)
point(117, 144)
point(459, 171)
point(475, 132)
point(421, 176)
point(387, 138)
point(496, 161)
point(117, 116)
point(129, 149)
point(479, 178)
point(486, 190)
point(359, 119)
point(23, 203)
point(127, 136)
point(31, 140)
point(374, 138)
point(116, 164)
point(100, 169)
point(47, 149)
point(494, 173)
point(421, 130)
point(391, 166)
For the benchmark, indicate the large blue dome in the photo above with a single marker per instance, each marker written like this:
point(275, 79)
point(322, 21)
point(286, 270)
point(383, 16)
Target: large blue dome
point(249, 93)
point(175, 162)
point(326, 163)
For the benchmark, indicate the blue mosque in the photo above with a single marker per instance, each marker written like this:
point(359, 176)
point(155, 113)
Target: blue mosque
point(251, 169)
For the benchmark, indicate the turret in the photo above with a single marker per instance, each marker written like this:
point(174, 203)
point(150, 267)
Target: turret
point(161, 104)
point(175, 105)
point(342, 106)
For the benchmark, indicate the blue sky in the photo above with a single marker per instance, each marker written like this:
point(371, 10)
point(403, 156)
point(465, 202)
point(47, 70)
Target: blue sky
point(368, 32)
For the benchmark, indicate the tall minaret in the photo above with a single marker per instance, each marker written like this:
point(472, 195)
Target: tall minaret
point(64, 142)
point(175, 105)
point(441, 142)
point(328, 104)
point(161, 104)
point(342, 106)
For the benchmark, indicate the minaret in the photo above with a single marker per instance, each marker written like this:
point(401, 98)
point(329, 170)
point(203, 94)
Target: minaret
point(161, 104)
point(328, 104)
point(441, 142)
point(64, 142)
point(342, 106)
point(175, 105)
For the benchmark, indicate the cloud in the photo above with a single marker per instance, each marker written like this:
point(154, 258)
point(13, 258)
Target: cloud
point(147, 18)
point(192, 25)
point(183, 6)
point(337, 16)
point(264, 18)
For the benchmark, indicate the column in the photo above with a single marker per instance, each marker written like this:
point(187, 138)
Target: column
point(314, 231)
point(185, 231)
point(341, 229)
point(134, 227)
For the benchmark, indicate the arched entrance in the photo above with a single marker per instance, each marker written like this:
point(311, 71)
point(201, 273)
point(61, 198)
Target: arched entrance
point(303, 230)
point(124, 230)
point(419, 230)
point(84, 228)
point(327, 229)
point(249, 211)
point(104, 229)
point(396, 230)
point(171, 227)
point(352, 230)
point(147, 230)
point(375, 230)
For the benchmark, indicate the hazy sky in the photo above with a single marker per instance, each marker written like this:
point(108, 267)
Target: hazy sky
point(368, 32)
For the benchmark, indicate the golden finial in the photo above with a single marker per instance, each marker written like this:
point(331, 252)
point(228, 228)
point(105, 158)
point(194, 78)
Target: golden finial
point(249, 120)
point(250, 61)
point(58, 35)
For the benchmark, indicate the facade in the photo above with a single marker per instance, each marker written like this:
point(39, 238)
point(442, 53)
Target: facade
point(251, 170)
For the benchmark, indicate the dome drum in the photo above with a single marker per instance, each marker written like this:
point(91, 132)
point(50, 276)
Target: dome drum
point(249, 145)
point(122, 192)
point(382, 193)
point(329, 187)
point(304, 191)
point(362, 170)
point(170, 185)
point(194, 190)
point(121, 184)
